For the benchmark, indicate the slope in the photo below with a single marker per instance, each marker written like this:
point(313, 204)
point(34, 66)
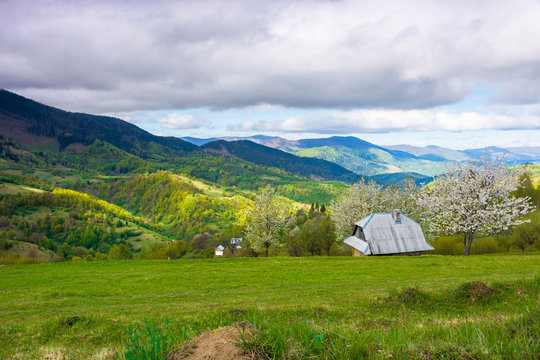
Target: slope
point(36, 125)
point(431, 151)
point(363, 157)
point(317, 169)
point(62, 221)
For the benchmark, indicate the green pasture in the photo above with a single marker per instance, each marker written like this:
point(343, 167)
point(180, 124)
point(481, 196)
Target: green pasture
point(324, 307)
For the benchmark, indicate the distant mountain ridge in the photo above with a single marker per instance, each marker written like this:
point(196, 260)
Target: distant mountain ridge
point(29, 123)
point(365, 158)
point(78, 139)
point(267, 156)
point(38, 127)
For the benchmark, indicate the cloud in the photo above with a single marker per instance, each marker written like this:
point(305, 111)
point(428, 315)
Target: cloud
point(179, 121)
point(118, 56)
point(384, 121)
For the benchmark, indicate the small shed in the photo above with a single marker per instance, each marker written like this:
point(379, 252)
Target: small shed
point(387, 234)
point(219, 250)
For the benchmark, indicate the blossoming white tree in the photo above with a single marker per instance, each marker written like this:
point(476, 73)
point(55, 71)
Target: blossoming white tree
point(357, 201)
point(361, 199)
point(474, 197)
point(266, 220)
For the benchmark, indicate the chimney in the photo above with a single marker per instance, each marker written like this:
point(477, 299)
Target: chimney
point(397, 215)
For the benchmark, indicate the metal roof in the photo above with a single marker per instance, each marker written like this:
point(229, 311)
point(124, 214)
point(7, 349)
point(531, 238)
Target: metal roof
point(387, 236)
point(358, 244)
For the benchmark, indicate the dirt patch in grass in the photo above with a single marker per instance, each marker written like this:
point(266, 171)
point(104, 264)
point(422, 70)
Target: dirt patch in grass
point(407, 296)
point(475, 291)
point(218, 344)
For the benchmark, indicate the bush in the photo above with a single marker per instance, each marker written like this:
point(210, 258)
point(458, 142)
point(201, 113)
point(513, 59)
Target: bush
point(448, 245)
point(5, 244)
point(7, 259)
point(120, 252)
point(484, 246)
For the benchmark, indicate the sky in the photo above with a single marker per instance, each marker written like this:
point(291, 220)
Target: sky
point(459, 74)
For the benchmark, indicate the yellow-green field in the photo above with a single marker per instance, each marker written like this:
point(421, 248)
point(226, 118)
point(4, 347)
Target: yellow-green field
point(356, 307)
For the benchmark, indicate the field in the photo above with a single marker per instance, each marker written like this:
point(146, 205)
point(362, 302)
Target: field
point(414, 307)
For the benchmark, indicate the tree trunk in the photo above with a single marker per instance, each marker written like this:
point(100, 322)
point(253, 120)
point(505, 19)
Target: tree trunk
point(266, 251)
point(468, 242)
point(531, 246)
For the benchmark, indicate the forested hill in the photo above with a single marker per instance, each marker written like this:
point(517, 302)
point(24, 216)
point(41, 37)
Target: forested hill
point(317, 169)
point(30, 123)
point(83, 141)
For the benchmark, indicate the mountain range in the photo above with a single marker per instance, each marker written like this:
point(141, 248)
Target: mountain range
point(46, 131)
point(365, 158)
point(42, 133)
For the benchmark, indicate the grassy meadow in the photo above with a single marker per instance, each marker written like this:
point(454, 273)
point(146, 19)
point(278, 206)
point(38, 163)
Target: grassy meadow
point(336, 308)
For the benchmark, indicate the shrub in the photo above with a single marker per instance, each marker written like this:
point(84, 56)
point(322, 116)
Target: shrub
point(484, 246)
point(120, 252)
point(448, 245)
point(5, 244)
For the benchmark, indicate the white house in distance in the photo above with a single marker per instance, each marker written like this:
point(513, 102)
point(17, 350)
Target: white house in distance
point(219, 250)
point(387, 234)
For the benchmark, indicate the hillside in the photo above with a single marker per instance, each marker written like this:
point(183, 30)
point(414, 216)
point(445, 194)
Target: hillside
point(399, 178)
point(316, 169)
point(431, 152)
point(59, 224)
point(356, 155)
point(517, 155)
point(365, 158)
point(368, 159)
point(176, 206)
point(43, 135)
point(35, 125)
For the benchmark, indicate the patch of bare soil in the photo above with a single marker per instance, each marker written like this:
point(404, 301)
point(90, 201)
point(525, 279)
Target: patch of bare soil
point(476, 290)
point(217, 344)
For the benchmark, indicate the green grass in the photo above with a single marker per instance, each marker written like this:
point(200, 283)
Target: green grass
point(303, 307)
point(11, 189)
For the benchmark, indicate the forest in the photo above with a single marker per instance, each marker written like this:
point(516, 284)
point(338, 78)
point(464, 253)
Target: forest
point(58, 213)
point(78, 187)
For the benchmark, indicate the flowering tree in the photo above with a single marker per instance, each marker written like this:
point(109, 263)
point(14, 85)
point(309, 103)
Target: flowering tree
point(361, 199)
point(474, 197)
point(266, 220)
point(357, 201)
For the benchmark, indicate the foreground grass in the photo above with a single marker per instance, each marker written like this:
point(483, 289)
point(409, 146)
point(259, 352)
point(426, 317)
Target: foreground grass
point(303, 307)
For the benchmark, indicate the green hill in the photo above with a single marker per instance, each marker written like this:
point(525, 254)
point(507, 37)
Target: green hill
point(64, 223)
point(42, 127)
point(316, 169)
point(371, 160)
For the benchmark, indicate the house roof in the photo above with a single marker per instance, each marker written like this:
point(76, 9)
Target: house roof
point(220, 247)
point(384, 235)
point(358, 244)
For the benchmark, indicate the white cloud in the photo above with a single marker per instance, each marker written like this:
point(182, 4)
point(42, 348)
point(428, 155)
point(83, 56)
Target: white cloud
point(179, 121)
point(113, 56)
point(383, 121)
